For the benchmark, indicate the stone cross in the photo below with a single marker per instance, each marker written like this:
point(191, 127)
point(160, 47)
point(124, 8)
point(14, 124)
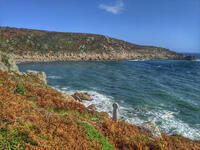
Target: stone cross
point(115, 111)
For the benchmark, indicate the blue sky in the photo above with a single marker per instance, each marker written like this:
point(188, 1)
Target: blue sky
point(173, 24)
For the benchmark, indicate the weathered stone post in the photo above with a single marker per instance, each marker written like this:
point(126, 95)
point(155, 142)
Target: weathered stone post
point(115, 111)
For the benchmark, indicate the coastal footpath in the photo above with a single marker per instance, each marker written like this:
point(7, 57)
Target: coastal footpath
point(35, 116)
point(35, 45)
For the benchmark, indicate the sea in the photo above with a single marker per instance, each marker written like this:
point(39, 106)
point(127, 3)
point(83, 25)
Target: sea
point(166, 92)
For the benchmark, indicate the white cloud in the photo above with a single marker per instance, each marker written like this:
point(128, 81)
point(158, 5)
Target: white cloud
point(115, 9)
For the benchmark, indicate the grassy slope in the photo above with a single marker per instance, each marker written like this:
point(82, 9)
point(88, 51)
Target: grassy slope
point(26, 41)
point(35, 116)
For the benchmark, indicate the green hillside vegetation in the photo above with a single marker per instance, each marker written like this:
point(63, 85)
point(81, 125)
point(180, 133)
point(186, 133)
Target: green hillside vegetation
point(36, 42)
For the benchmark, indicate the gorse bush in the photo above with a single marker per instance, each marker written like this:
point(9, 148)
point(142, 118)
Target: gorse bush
point(20, 89)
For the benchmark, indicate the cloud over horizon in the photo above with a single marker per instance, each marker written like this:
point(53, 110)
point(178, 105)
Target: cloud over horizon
point(115, 8)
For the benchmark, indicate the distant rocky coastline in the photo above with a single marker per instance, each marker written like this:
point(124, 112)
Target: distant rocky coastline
point(96, 57)
point(36, 45)
point(190, 57)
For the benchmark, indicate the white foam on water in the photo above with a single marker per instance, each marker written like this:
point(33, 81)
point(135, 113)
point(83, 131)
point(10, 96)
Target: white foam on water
point(65, 88)
point(197, 60)
point(54, 77)
point(174, 125)
point(134, 60)
point(138, 60)
point(62, 89)
point(167, 115)
point(166, 120)
point(101, 102)
point(168, 123)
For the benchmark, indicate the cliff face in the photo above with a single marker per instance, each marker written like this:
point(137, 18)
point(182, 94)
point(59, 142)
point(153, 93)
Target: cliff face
point(39, 45)
point(7, 63)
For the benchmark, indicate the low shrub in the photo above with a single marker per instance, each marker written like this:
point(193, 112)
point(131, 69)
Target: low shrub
point(20, 89)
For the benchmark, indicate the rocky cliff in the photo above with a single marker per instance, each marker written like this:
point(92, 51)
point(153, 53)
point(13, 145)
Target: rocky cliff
point(8, 64)
point(36, 45)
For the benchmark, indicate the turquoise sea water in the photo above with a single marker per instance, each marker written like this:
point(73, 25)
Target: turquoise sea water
point(167, 92)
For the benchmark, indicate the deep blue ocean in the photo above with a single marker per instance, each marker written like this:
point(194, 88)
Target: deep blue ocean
point(167, 92)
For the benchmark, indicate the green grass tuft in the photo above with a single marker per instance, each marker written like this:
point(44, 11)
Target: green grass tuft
point(13, 139)
point(56, 110)
point(54, 133)
point(92, 133)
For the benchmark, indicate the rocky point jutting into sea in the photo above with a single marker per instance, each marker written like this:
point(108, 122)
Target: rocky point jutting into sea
point(35, 45)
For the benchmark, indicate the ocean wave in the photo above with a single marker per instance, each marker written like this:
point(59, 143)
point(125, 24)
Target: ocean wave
point(168, 123)
point(100, 101)
point(166, 120)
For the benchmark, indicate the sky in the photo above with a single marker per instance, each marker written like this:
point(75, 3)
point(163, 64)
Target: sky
point(173, 24)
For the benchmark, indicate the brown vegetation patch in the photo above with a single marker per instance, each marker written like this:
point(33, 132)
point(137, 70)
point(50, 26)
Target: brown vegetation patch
point(49, 121)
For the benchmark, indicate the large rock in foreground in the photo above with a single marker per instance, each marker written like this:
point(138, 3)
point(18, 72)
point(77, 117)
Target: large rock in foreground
point(40, 75)
point(152, 129)
point(8, 63)
point(81, 96)
point(68, 97)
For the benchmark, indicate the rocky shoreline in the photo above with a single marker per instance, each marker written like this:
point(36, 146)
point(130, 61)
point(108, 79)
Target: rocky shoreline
point(96, 57)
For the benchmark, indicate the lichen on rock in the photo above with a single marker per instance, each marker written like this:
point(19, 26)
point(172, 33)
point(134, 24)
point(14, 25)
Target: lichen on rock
point(40, 75)
point(81, 96)
point(8, 63)
point(68, 97)
point(152, 129)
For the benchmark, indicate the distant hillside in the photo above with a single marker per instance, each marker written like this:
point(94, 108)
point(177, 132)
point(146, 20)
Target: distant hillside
point(37, 45)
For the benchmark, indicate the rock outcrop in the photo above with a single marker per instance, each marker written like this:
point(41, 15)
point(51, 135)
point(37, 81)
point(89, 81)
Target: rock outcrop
point(8, 63)
point(40, 75)
point(190, 57)
point(152, 129)
point(92, 107)
point(68, 97)
point(81, 96)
